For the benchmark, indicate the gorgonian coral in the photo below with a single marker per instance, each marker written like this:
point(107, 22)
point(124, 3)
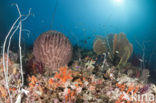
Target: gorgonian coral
point(53, 50)
point(99, 46)
point(124, 48)
point(117, 47)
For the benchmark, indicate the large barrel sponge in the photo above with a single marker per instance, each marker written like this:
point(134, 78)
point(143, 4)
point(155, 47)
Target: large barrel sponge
point(53, 50)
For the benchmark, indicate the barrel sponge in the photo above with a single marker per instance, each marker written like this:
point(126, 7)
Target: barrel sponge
point(53, 50)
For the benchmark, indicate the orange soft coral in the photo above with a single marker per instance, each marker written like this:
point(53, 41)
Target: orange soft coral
point(3, 92)
point(33, 81)
point(63, 74)
point(130, 88)
point(121, 86)
point(70, 95)
point(60, 78)
point(51, 81)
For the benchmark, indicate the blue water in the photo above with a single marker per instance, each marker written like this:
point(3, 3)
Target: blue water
point(82, 20)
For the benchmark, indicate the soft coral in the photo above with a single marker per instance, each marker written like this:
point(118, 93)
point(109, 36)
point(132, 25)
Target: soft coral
point(63, 74)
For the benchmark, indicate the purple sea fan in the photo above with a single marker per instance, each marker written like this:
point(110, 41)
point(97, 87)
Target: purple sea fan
point(53, 50)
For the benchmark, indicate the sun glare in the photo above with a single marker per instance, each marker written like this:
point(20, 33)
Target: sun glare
point(119, 1)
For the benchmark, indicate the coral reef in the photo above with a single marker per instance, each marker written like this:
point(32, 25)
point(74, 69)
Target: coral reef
point(53, 50)
point(83, 82)
point(131, 90)
point(90, 78)
point(14, 80)
point(104, 77)
point(144, 75)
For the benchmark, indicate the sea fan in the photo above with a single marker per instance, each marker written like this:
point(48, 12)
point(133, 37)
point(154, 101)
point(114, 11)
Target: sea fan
point(125, 49)
point(99, 46)
point(117, 47)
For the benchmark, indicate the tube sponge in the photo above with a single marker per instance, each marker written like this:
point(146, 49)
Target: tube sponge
point(53, 50)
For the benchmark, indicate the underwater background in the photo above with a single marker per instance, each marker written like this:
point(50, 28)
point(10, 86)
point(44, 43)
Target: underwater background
point(82, 20)
point(77, 51)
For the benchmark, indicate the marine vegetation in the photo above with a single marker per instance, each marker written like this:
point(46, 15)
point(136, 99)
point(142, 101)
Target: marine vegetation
point(117, 48)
